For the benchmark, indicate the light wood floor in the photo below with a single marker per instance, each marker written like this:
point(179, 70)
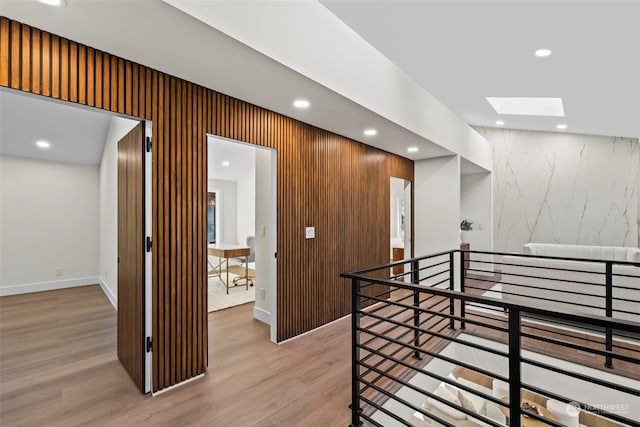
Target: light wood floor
point(58, 367)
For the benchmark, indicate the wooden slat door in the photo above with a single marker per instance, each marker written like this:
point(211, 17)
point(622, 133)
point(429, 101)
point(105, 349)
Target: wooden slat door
point(131, 248)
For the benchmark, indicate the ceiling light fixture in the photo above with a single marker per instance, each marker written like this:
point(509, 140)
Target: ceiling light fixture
point(527, 106)
point(543, 53)
point(57, 3)
point(43, 144)
point(301, 103)
point(225, 163)
point(561, 126)
point(412, 149)
point(499, 122)
point(370, 132)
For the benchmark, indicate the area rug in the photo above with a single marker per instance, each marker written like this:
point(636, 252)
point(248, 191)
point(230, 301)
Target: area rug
point(218, 298)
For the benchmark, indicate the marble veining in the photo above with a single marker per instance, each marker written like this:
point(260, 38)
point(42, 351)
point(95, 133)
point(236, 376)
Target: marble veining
point(564, 188)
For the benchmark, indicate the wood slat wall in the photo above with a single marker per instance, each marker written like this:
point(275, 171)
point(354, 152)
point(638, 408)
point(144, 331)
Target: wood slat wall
point(324, 180)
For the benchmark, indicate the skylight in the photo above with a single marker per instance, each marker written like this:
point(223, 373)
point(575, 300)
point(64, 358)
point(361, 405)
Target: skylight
point(527, 106)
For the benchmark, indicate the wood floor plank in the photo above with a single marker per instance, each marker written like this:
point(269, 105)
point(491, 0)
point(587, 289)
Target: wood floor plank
point(58, 366)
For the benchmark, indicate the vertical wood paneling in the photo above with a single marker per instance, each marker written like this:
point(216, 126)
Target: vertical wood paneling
point(4, 51)
point(64, 69)
point(73, 72)
point(338, 185)
point(82, 75)
point(15, 63)
point(36, 51)
point(25, 69)
point(45, 57)
point(91, 77)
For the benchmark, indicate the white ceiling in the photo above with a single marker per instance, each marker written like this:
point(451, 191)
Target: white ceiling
point(464, 51)
point(241, 158)
point(459, 51)
point(76, 135)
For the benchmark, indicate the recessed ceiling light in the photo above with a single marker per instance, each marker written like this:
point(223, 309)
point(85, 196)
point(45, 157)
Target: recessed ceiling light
point(499, 122)
point(43, 144)
point(527, 106)
point(225, 163)
point(59, 3)
point(561, 126)
point(370, 132)
point(412, 149)
point(301, 103)
point(543, 53)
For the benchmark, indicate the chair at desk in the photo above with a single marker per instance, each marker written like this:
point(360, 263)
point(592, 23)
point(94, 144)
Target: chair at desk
point(251, 243)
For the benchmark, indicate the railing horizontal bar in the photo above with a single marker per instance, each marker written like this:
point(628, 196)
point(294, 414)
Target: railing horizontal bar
point(448, 338)
point(441, 357)
point(583, 405)
point(626, 299)
point(581, 348)
point(601, 342)
point(544, 288)
point(438, 398)
point(548, 299)
point(625, 311)
point(434, 285)
point(513, 264)
point(553, 279)
point(438, 313)
point(600, 261)
point(447, 380)
point(434, 275)
point(582, 377)
point(403, 402)
point(433, 265)
point(620, 324)
point(387, 412)
point(633, 276)
point(393, 264)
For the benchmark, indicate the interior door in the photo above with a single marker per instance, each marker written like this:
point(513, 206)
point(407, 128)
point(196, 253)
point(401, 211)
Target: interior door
point(131, 253)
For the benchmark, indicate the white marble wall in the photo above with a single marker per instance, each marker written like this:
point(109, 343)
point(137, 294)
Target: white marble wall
point(564, 188)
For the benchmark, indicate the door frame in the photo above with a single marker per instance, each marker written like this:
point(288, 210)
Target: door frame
point(148, 257)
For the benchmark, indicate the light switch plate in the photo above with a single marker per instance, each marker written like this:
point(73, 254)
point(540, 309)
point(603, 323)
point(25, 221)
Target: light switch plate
point(310, 232)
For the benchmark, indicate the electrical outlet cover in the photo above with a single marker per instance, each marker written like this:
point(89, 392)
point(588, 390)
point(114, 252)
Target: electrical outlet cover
point(310, 232)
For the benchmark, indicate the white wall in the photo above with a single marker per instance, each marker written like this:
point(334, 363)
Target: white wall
point(265, 226)
point(108, 207)
point(227, 220)
point(437, 205)
point(48, 220)
point(476, 205)
point(246, 206)
point(564, 188)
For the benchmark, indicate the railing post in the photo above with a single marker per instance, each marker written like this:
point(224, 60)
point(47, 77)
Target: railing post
point(415, 279)
point(452, 303)
point(515, 378)
point(355, 345)
point(462, 302)
point(608, 363)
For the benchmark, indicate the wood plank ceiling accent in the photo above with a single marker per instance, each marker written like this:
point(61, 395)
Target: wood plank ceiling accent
point(338, 185)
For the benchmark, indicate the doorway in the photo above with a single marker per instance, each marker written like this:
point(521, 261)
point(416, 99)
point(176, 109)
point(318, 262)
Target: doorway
point(400, 222)
point(243, 179)
point(62, 197)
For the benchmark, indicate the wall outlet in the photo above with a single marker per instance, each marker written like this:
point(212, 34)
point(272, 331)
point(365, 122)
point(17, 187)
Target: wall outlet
point(263, 231)
point(263, 293)
point(310, 232)
point(59, 271)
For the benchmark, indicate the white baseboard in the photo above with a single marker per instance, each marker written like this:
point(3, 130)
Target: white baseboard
point(48, 286)
point(113, 299)
point(262, 315)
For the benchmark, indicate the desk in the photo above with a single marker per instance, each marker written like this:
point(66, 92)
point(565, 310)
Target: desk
point(529, 421)
point(225, 251)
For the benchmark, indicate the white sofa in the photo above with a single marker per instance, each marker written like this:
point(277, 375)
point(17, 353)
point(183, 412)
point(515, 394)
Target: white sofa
point(558, 287)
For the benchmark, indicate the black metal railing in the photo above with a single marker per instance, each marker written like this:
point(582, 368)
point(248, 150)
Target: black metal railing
point(447, 313)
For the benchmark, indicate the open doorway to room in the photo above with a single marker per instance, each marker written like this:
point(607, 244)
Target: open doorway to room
point(70, 191)
point(400, 205)
point(241, 228)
